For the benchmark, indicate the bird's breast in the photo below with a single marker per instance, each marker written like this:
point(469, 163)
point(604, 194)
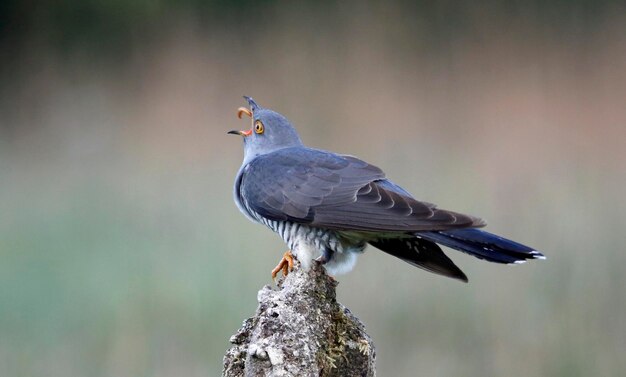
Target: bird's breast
point(239, 200)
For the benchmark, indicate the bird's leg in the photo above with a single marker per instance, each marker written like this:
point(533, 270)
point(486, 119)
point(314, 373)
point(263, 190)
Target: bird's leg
point(325, 256)
point(285, 265)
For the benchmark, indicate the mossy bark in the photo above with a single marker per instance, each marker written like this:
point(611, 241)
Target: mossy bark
point(299, 329)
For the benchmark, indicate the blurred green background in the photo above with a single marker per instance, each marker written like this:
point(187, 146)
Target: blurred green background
point(122, 253)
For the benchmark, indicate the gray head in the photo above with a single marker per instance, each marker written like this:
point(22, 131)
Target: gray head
point(270, 131)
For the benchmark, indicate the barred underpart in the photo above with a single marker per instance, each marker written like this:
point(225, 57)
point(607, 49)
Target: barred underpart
point(294, 233)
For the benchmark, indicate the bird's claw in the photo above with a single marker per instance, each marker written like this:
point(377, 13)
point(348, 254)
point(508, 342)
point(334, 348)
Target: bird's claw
point(324, 257)
point(285, 265)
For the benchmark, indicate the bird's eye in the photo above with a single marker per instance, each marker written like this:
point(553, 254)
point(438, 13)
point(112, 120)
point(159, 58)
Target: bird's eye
point(258, 127)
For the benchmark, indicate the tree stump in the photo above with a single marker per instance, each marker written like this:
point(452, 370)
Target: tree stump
point(299, 329)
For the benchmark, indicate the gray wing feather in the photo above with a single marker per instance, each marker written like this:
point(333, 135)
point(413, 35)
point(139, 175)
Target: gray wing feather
point(337, 192)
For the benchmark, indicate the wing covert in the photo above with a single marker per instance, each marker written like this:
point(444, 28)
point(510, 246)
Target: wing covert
point(337, 192)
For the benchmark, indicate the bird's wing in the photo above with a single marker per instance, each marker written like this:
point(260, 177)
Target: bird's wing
point(338, 192)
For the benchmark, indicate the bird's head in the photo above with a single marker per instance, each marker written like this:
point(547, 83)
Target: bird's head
point(270, 131)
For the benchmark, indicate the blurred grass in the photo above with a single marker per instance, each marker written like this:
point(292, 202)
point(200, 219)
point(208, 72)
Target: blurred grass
point(123, 254)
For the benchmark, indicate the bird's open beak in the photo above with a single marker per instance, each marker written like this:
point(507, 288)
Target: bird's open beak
point(243, 110)
point(242, 133)
point(240, 111)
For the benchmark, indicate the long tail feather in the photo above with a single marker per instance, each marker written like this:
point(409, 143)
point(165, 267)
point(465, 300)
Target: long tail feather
point(483, 245)
point(420, 253)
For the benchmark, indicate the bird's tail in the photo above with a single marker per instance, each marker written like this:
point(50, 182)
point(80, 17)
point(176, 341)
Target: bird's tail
point(483, 245)
point(420, 253)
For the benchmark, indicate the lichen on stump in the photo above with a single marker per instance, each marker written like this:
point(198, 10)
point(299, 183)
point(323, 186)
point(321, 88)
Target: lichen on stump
point(299, 329)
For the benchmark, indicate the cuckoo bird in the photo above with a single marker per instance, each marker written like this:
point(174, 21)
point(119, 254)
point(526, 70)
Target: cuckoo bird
point(328, 207)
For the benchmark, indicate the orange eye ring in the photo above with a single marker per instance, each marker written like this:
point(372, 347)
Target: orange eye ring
point(258, 127)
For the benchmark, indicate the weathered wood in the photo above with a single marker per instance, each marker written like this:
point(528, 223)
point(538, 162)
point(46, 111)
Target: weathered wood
point(300, 329)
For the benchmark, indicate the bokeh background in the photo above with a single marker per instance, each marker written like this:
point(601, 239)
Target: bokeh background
point(122, 253)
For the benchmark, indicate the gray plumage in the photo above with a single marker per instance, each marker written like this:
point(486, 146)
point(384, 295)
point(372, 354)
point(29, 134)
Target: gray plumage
point(329, 206)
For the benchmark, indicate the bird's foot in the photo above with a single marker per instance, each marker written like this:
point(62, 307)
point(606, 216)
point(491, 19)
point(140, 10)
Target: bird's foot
point(325, 256)
point(285, 265)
